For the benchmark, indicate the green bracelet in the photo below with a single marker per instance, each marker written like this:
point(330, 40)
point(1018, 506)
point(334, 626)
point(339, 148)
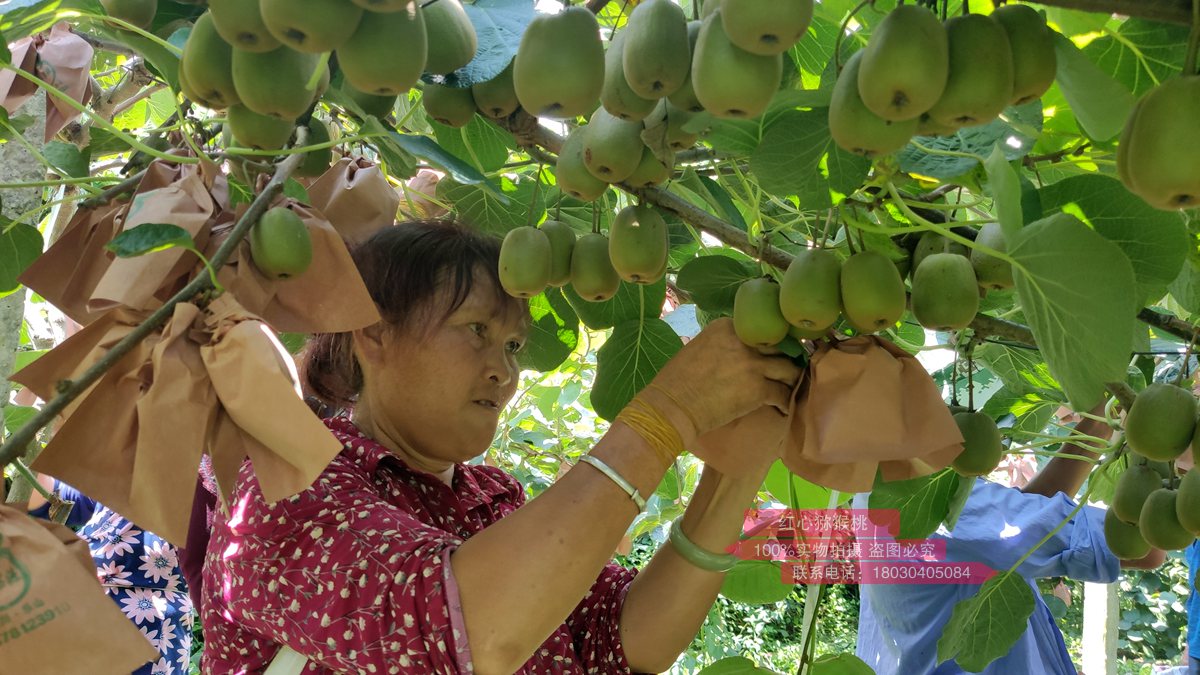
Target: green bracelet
point(705, 560)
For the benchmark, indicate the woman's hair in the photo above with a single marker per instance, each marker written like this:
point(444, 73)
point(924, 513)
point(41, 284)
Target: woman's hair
point(411, 270)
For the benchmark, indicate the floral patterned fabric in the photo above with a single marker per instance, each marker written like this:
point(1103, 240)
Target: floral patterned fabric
point(140, 572)
point(354, 573)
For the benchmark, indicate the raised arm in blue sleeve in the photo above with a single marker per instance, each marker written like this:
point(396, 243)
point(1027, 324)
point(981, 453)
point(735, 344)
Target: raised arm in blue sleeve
point(999, 524)
point(81, 512)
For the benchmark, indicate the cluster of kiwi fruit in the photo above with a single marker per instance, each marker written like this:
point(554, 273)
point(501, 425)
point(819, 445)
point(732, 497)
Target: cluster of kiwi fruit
point(947, 281)
point(635, 250)
point(1151, 506)
point(1158, 158)
point(257, 59)
point(816, 289)
point(918, 76)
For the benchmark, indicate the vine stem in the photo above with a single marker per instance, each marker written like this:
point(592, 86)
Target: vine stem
point(59, 182)
point(947, 233)
point(837, 44)
point(99, 119)
point(70, 390)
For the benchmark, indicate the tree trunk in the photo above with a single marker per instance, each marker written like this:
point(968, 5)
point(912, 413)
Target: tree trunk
point(17, 165)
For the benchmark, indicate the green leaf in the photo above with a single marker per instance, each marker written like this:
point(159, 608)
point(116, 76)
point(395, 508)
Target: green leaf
point(1006, 192)
point(553, 335)
point(1186, 287)
point(741, 137)
point(5, 54)
point(788, 160)
point(1015, 139)
point(1100, 103)
point(481, 143)
point(27, 356)
point(148, 238)
point(292, 188)
point(713, 280)
point(1156, 242)
point(427, 149)
point(16, 416)
point(1141, 54)
point(756, 582)
point(985, 627)
point(68, 159)
point(499, 25)
point(1077, 291)
point(162, 61)
point(923, 502)
point(20, 245)
point(630, 302)
point(10, 126)
point(966, 484)
point(629, 359)
point(840, 664)
point(1021, 370)
point(806, 495)
point(293, 342)
point(495, 211)
point(1032, 412)
point(734, 665)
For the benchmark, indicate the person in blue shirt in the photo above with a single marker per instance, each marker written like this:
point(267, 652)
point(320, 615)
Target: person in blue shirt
point(1192, 556)
point(139, 570)
point(900, 624)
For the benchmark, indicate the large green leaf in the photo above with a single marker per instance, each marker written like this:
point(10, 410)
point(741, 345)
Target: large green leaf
point(1140, 54)
point(1100, 103)
point(1077, 291)
point(553, 335)
point(1156, 242)
point(713, 280)
point(480, 143)
point(840, 664)
point(499, 25)
point(630, 302)
point(788, 161)
point(516, 204)
point(1021, 370)
point(629, 359)
point(923, 502)
point(985, 627)
point(1186, 287)
point(68, 159)
point(20, 245)
point(801, 494)
point(149, 238)
point(756, 582)
point(1006, 192)
point(1014, 138)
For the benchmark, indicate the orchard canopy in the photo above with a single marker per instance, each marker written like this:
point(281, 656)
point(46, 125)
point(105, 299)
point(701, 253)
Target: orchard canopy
point(1003, 191)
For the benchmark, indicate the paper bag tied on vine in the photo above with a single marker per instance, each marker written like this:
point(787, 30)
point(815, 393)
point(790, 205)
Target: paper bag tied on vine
point(84, 280)
point(866, 405)
point(54, 616)
point(212, 380)
point(59, 57)
point(355, 197)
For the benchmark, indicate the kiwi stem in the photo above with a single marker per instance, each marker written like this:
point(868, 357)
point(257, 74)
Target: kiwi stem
point(837, 44)
point(537, 184)
point(1055, 455)
point(1189, 65)
point(970, 378)
point(1187, 356)
point(946, 232)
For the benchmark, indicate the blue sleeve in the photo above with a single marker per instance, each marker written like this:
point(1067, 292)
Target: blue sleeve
point(1192, 557)
point(999, 524)
point(81, 512)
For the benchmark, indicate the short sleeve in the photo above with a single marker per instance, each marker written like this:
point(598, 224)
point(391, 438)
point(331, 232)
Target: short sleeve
point(353, 583)
point(999, 524)
point(595, 622)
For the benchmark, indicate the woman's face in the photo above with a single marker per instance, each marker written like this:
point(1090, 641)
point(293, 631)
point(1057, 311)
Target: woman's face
point(437, 390)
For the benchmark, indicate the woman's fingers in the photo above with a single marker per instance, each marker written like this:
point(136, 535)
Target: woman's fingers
point(781, 369)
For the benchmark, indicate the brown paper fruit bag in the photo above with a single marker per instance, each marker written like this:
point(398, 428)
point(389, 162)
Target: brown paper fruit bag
point(864, 405)
point(355, 197)
point(54, 616)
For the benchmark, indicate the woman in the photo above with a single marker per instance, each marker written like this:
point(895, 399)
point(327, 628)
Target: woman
point(401, 558)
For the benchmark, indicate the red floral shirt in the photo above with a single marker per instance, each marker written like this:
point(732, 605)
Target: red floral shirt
point(354, 573)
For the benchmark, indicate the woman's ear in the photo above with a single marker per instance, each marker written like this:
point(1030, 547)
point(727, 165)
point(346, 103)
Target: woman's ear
point(370, 343)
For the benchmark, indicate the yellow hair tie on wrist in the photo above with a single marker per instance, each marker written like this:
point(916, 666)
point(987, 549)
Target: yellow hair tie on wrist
point(654, 428)
point(678, 404)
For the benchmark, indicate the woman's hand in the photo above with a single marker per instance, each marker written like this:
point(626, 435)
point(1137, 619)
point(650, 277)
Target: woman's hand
point(716, 379)
point(746, 447)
